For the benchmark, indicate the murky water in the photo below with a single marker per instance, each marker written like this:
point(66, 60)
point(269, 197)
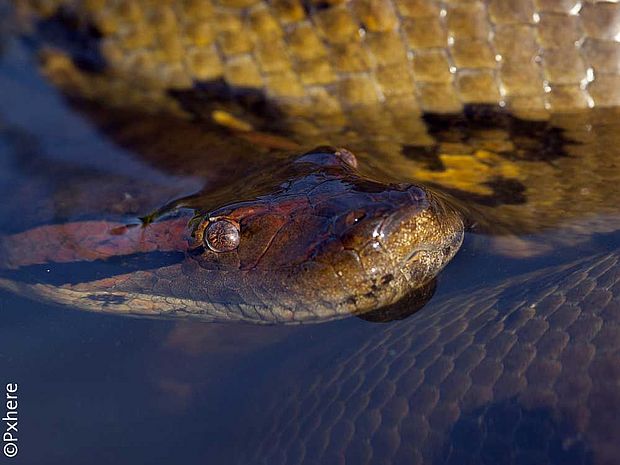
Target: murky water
point(100, 389)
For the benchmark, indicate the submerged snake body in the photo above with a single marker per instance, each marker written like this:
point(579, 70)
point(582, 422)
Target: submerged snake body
point(527, 371)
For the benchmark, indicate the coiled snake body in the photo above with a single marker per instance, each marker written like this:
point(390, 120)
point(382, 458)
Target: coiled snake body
point(523, 372)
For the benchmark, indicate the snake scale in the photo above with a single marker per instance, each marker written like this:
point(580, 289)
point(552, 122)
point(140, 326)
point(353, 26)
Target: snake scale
point(525, 372)
point(384, 78)
point(404, 55)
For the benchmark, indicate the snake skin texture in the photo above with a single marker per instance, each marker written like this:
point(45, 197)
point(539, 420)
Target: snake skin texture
point(326, 58)
point(362, 74)
point(525, 372)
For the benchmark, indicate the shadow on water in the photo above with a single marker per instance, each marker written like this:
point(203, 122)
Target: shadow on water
point(404, 308)
point(123, 390)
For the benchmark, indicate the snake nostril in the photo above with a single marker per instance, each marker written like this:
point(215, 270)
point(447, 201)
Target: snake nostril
point(354, 217)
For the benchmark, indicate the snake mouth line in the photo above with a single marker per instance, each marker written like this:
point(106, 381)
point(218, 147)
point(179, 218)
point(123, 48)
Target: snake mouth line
point(426, 260)
point(447, 250)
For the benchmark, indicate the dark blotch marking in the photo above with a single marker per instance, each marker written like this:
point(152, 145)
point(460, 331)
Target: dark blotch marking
point(249, 104)
point(506, 191)
point(311, 6)
point(533, 140)
point(79, 39)
point(429, 156)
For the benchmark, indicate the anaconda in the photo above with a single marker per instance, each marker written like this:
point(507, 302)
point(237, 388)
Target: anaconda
point(313, 242)
point(526, 371)
point(328, 57)
point(519, 184)
point(379, 77)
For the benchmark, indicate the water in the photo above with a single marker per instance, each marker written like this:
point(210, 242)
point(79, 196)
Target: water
point(98, 388)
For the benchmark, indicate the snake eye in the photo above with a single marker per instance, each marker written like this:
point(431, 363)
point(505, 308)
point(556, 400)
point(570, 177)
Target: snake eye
point(222, 236)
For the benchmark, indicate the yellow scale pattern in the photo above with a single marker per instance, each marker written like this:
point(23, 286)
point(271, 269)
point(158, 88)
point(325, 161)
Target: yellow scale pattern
point(409, 55)
point(360, 73)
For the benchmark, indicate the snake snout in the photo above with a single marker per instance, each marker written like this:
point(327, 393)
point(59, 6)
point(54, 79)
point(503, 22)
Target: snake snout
point(423, 235)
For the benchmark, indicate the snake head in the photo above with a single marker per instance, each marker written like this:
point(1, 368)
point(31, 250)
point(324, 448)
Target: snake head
point(308, 240)
point(328, 242)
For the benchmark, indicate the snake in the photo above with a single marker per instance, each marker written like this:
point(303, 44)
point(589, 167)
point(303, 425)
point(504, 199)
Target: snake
point(525, 371)
point(332, 61)
point(499, 134)
point(490, 101)
point(313, 242)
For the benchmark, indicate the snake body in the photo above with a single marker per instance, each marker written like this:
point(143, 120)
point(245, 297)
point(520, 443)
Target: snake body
point(527, 371)
point(380, 77)
point(403, 55)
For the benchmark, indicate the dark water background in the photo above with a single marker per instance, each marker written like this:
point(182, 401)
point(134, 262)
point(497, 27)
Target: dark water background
point(102, 389)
